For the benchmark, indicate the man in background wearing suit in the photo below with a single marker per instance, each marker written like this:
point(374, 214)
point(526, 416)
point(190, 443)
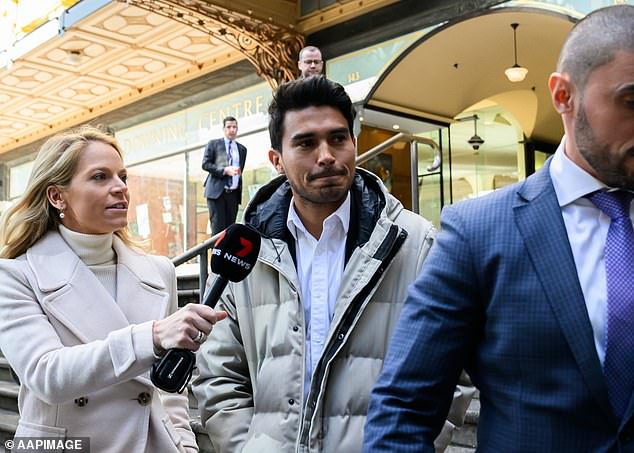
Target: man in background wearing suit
point(310, 62)
point(224, 160)
point(531, 289)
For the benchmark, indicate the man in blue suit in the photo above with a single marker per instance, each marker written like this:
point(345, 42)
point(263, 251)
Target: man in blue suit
point(224, 159)
point(531, 289)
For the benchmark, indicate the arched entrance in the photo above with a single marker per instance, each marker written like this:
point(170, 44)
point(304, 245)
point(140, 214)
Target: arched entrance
point(454, 72)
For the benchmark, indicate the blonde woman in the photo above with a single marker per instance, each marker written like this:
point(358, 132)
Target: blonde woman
point(83, 311)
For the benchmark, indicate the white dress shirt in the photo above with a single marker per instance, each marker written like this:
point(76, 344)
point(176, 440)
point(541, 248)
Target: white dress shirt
point(587, 227)
point(234, 161)
point(320, 266)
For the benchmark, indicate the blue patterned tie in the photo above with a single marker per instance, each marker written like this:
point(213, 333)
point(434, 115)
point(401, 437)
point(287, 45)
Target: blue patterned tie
point(230, 161)
point(619, 271)
point(229, 154)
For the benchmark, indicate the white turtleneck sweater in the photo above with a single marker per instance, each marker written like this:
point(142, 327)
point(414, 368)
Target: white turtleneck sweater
point(96, 251)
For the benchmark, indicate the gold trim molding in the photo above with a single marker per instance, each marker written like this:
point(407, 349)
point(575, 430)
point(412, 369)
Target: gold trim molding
point(270, 47)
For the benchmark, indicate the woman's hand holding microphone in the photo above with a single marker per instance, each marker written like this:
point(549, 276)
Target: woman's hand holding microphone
point(188, 328)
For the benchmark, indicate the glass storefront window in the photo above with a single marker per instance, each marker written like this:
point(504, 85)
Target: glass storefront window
point(156, 211)
point(429, 193)
point(257, 172)
point(495, 164)
point(18, 177)
point(540, 159)
point(429, 198)
point(198, 229)
point(445, 146)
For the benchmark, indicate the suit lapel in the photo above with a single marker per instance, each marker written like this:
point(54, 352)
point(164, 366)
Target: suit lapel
point(243, 155)
point(539, 220)
point(220, 156)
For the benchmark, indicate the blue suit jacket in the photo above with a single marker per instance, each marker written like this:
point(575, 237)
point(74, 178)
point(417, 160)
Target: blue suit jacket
point(215, 161)
point(499, 296)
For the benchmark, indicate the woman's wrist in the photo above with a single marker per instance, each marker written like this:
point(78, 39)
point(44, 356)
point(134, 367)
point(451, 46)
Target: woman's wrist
point(158, 350)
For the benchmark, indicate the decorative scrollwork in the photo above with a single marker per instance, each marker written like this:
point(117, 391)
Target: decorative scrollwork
point(271, 48)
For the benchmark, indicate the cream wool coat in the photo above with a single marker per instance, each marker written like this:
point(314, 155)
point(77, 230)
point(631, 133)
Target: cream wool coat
point(251, 384)
point(83, 358)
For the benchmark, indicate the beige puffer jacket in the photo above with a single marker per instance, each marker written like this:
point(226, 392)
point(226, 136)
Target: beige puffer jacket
point(250, 383)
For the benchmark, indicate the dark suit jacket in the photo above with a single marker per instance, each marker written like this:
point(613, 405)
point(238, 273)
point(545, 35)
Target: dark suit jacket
point(499, 295)
point(214, 161)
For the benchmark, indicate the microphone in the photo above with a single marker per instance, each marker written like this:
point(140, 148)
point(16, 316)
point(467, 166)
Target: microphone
point(232, 258)
point(234, 255)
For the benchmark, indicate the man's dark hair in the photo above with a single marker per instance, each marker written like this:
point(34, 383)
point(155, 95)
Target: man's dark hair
point(314, 91)
point(228, 118)
point(595, 40)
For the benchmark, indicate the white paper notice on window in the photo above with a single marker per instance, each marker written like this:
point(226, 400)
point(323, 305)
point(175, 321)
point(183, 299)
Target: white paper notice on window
point(143, 220)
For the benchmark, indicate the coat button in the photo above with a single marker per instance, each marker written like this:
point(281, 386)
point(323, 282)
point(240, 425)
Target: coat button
point(144, 398)
point(81, 401)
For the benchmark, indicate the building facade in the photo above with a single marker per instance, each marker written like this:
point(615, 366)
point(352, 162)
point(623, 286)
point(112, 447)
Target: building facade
point(163, 82)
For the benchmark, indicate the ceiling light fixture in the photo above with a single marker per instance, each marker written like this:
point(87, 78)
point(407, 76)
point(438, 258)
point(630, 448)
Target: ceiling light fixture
point(475, 141)
point(515, 73)
point(74, 57)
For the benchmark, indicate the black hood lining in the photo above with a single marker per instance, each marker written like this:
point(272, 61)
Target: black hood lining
point(268, 211)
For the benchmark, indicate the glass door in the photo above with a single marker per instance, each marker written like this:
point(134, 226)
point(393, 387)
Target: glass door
point(395, 166)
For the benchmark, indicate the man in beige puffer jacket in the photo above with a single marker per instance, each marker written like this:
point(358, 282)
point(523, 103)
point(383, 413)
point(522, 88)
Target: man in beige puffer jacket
point(292, 367)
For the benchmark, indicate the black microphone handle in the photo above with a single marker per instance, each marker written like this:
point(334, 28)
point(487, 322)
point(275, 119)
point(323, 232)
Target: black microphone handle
point(217, 287)
point(173, 371)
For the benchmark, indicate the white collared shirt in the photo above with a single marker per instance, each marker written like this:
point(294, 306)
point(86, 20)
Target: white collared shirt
point(235, 162)
point(320, 266)
point(587, 227)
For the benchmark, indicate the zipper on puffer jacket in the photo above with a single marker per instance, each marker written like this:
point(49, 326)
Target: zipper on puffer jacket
point(386, 252)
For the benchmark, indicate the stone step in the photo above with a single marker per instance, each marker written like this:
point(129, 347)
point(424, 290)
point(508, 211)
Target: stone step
point(188, 296)
point(9, 396)
point(454, 449)
point(8, 425)
point(473, 412)
point(466, 437)
point(187, 282)
point(188, 289)
point(5, 370)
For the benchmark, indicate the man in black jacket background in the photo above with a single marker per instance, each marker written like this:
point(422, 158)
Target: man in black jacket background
point(224, 159)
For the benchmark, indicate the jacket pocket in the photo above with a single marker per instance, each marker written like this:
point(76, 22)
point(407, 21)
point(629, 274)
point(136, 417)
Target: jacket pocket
point(32, 430)
point(171, 431)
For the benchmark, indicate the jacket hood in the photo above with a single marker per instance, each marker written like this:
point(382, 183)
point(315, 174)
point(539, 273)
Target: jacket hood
point(268, 210)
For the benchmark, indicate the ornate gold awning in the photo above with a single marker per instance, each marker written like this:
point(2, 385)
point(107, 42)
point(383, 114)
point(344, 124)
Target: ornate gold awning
point(125, 51)
point(271, 47)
